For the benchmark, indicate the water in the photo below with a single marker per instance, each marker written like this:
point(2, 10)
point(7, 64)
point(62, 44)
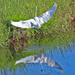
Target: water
point(64, 55)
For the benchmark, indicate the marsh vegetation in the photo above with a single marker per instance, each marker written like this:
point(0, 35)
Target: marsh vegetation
point(59, 30)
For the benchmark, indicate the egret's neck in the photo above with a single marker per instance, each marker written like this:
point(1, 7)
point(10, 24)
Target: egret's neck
point(36, 12)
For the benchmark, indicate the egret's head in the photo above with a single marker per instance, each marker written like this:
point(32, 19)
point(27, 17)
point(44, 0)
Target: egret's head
point(36, 18)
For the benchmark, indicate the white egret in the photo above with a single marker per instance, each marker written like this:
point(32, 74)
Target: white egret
point(40, 59)
point(37, 21)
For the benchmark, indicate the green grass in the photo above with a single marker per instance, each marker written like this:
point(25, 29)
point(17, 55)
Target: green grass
point(25, 9)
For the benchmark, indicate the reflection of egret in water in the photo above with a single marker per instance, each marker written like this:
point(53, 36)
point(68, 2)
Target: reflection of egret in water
point(40, 59)
point(37, 21)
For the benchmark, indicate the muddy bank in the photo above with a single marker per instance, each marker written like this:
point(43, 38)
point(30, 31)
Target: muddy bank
point(19, 39)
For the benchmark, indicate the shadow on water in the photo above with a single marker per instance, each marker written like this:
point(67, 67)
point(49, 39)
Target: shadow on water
point(37, 47)
point(63, 55)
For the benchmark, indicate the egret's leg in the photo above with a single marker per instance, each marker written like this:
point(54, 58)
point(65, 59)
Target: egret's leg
point(36, 12)
point(41, 67)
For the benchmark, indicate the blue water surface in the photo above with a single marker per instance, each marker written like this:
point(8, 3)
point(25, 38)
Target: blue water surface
point(65, 56)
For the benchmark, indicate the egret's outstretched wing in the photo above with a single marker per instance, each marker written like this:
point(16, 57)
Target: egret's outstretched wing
point(48, 14)
point(22, 24)
point(53, 63)
point(31, 23)
point(28, 59)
